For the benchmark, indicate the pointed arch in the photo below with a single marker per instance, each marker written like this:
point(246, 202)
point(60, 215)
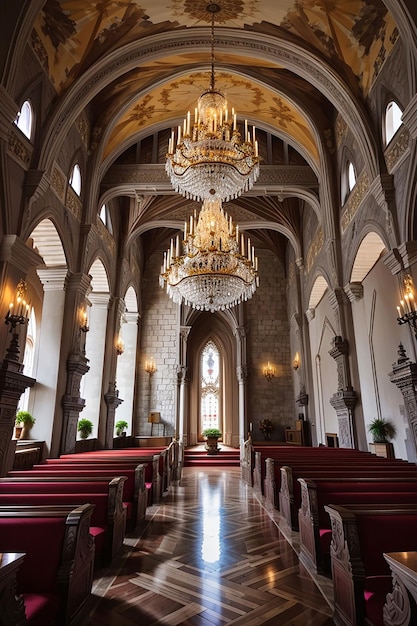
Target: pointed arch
point(368, 253)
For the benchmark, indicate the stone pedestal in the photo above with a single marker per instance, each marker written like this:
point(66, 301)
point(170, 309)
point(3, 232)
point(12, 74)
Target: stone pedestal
point(112, 402)
point(404, 375)
point(12, 384)
point(72, 403)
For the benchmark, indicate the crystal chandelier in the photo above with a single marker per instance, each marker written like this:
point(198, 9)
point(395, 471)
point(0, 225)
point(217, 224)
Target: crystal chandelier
point(213, 268)
point(212, 271)
point(207, 157)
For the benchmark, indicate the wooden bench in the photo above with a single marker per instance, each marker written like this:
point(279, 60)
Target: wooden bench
point(108, 520)
point(56, 574)
point(290, 491)
point(134, 492)
point(314, 522)
point(361, 576)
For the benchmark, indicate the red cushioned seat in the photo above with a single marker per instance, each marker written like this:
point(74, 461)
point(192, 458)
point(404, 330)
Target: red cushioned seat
point(41, 608)
point(375, 593)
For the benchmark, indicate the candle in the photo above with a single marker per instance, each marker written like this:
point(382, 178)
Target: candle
point(242, 245)
point(249, 249)
point(177, 246)
point(185, 229)
point(250, 426)
point(399, 311)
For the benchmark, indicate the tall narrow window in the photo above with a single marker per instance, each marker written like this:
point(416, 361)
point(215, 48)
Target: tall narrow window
point(393, 121)
point(75, 179)
point(210, 387)
point(24, 119)
point(105, 218)
point(351, 176)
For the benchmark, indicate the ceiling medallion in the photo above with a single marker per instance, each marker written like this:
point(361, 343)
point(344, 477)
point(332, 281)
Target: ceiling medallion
point(208, 160)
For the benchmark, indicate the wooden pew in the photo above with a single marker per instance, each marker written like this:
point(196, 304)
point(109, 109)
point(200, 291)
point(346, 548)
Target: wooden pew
point(108, 520)
point(314, 522)
point(361, 576)
point(133, 492)
point(56, 574)
point(290, 491)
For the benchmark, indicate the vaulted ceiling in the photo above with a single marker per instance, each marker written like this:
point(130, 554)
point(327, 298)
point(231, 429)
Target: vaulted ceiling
point(288, 66)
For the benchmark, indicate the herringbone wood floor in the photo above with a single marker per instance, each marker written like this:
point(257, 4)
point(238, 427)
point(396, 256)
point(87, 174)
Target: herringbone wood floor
point(208, 555)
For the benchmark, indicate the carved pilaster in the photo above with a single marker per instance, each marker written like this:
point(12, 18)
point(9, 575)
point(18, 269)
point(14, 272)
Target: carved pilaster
point(72, 403)
point(344, 400)
point(182, 371)
point(12, 384)
point(404, 375)
point(112, 400)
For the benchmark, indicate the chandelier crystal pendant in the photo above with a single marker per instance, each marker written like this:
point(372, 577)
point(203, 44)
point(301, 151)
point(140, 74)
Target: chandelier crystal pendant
point(212, 272)
point(213, 268)
point(207, 157)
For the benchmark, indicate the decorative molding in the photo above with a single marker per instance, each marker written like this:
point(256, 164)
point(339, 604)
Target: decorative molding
point(354, 291)
point(314, 249)
point(106, 237)
point(310, 314)
point(36, 184)
point(83, 126)
point(354, 201)
point(409, 116)
point(397, 149)
point(58, 182)
point(341, 130)
point(73, 203)
point(19, 147)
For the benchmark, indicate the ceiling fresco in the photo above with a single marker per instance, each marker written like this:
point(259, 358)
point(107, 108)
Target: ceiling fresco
point(180, 95)
point(70, 35)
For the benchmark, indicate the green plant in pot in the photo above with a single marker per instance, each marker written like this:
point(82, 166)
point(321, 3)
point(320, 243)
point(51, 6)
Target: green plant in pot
point(85, 427)
point(24, 421)
point(121, 427)
point(382, 430)
point(211, 435)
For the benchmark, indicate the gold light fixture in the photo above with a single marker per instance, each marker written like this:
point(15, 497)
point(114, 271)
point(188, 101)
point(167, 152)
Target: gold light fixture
point(296, 361)
point(269, 371)
point(407, 311)
point(213, 268)
point(120, 345)
point(17, 315)
point(216, 268)
point(83, 317)
point(150, 366)
point(207, 157)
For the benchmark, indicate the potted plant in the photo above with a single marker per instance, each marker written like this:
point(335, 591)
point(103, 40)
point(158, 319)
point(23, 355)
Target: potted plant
point(211, 435)
point(85, 428)
point(24, 422)
point(121, 426)
point(382, 430)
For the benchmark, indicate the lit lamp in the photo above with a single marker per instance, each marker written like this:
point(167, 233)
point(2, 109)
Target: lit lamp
point(213, 267)
point(407, 311)
point(120, 345)
point(84, 320)
point(18, 314)
point(296, 361)
point(150, 367)
point(269, 371)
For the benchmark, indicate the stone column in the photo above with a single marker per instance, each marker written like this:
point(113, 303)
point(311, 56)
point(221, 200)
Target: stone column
point(344, 400)
point(180, 423)
point(76, 363)
point(242, 376)
point(12, 384)
point(112, 401)
point(404, 375)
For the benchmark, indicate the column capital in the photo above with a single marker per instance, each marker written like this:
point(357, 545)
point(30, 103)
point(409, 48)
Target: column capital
point(354, 291)
point(13, 250)
point(53, 279)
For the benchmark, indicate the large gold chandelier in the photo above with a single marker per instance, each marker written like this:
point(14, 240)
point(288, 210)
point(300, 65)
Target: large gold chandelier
point(216, 268)
point(213, 268)
point(207, 157)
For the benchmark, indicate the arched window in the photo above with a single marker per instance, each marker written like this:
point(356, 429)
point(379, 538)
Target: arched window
point(351, 175)
point(28, 360)
point(210, 387)
point(393, 121)
point(105, 218)
point(24, 119)
point(75, 179)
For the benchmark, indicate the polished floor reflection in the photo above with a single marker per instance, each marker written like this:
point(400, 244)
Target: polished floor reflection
point(208, 555)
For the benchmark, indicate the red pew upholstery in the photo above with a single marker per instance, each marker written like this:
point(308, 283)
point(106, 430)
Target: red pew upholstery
point(55, 578)
point(361, 576)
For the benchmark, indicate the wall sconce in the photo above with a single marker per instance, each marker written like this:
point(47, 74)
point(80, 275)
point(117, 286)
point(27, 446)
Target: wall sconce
point(17, 314)
point(150, 366)
point(269, 371)
point(84, 320)
point(407, 311)
point(120, 345)
point(296, 361)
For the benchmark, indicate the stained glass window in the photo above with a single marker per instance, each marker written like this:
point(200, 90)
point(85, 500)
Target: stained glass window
point(210, 387)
